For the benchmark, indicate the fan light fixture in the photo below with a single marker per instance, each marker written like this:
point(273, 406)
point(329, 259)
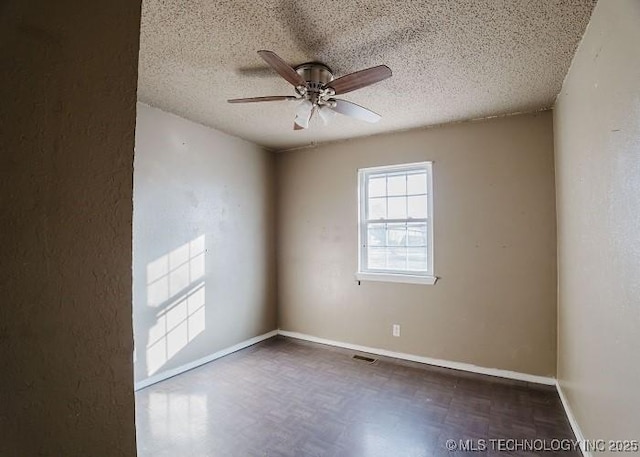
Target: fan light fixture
point(326, 114)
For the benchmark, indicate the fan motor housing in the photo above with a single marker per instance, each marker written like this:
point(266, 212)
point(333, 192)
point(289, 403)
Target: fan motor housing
point(316, 74)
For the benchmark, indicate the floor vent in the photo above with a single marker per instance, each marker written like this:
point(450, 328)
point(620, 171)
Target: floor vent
point(364, 358)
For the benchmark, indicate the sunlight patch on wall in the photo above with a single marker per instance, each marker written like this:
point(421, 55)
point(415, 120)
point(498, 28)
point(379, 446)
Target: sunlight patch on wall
point(176, 288)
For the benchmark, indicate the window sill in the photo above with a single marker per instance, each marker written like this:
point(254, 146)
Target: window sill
point(388, 277)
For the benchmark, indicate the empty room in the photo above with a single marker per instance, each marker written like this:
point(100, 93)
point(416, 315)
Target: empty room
point(320, 229)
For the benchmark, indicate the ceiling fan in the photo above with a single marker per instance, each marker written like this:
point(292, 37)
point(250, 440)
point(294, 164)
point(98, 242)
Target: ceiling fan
point(315, 85)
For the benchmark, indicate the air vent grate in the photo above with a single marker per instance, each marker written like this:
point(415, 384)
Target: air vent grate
point(363, 358)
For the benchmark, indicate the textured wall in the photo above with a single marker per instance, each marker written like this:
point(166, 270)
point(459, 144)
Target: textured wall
point(597, 128)
point(204, 251)
point(495, 246)
point(67, 119)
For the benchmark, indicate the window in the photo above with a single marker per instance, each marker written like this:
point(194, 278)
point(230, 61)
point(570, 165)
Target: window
point(396, 223)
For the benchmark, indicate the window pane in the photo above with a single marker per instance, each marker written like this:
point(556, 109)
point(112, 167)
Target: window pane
point(376, 235)
point(397, 259)
point(417, 259)
point(376, 258)
point(417, 234)
point(396, 234)
point(396, 194)
point(397, 208)
point(417, 183)
point(397, 185)
point(377, 187)
point(417, 206)
point(377, 208)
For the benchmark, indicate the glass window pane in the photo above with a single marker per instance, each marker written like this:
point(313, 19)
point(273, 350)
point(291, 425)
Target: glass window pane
point(397, 259)
point(377, 186)
point(376, 235)
point(396, 234)
point(377, 208)
point(397, 208)
point(376, 258)
point(417, 235)
point(417, 206)
point(398, 194)
point(397, 185)
point(417, 183)
point(417, 259)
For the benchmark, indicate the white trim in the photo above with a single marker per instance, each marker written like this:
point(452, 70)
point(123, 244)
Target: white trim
point(196, 363)
point(427, 360)
point(390, 277)
point(572, 420)
point(397, 166)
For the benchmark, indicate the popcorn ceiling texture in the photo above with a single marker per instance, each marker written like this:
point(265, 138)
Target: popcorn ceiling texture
point(67, 122)
point(451, 61)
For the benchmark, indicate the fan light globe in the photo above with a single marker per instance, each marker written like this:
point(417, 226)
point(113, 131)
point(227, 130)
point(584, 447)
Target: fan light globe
point(304, 108)
point(326, 114)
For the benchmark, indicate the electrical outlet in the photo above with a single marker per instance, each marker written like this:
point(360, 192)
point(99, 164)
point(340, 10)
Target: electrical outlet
point(396, 329)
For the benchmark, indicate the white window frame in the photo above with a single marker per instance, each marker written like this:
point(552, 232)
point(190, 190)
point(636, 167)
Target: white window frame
point(365, 274)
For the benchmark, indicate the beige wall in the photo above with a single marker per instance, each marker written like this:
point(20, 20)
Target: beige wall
point(597, 127)
point(67, 118)
point(204, 252)
point(495, 246)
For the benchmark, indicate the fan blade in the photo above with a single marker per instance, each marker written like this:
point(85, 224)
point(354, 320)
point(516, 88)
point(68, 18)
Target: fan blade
point(283, 68)
point(273, 98)
point(359, 79)
point(353, 110)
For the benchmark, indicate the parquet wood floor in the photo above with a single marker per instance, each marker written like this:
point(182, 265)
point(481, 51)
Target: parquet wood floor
point(286, 397)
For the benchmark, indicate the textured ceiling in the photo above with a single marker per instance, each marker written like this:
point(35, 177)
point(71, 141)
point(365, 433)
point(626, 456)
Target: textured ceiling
point(451, 60)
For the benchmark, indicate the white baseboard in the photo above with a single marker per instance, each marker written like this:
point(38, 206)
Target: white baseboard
point(427, 360)
point(196, 363)
point(572, 419)
point(355, 347)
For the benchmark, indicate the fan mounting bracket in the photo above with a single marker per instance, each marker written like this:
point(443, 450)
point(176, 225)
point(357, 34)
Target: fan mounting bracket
point(316, 74)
